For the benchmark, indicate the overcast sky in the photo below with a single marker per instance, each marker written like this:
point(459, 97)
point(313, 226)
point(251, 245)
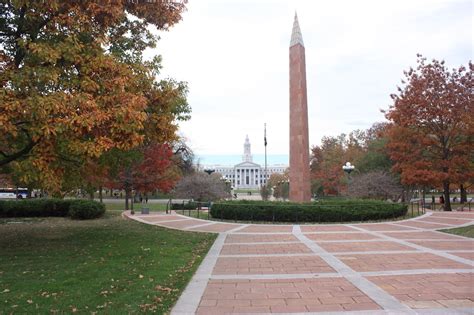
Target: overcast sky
point(234, 56)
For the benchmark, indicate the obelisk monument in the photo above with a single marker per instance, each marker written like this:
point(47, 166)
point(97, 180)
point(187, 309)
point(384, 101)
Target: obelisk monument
point(300, 187)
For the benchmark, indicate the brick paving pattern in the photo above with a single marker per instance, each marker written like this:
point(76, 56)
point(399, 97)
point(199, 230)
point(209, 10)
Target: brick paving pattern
point(341, 236)
point(271, 265)
point(410, 261)
point(399, 267)
point(430, 290)
point(233, 249)
point(362, 247)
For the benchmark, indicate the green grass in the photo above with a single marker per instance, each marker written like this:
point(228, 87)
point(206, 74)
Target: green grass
point(111, 206)
point(109, 265)
point(467, 231)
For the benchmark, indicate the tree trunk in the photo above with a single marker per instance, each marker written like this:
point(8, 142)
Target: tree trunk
point(100, 194)
point(447, 201)
point(463, 193)
point(91, 194)
point(127, 197)
point(423, 197)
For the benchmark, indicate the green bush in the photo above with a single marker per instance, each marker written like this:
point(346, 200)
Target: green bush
point(334, 211)
point(86, 209)
point(83, 209)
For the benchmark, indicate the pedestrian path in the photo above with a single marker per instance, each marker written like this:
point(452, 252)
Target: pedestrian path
point(399, 267)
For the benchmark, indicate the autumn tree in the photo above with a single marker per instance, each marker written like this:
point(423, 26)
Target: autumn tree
point(74, 83)
point(327, 160)
point(280, 184)
point(142, 171)
point(366, 149)
point(431, 126)
point(201, 187)
point(375, 185)
point(183, 156)
point(375, 155)
point(277, 178)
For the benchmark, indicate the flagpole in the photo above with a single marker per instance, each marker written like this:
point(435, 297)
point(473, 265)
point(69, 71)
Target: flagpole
point(265, 142)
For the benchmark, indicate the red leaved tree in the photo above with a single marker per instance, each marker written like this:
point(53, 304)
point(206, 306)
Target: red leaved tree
point(431, 126)
point(157, 171)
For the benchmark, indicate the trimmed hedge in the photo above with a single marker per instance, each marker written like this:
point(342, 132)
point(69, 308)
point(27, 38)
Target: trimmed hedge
point(86, 209)
point(334, 211)
point(74, 208)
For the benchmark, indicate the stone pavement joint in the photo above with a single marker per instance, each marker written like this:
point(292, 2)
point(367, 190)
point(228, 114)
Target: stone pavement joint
point(422, 248)
point(199, 225)
point(396, 267)
point(189, 300)
point(385, 300)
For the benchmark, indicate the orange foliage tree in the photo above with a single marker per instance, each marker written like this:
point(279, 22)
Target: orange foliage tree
point(152, 168)
point(74, 84)
point(363, 148)
point(327, 160)
point(431, 126)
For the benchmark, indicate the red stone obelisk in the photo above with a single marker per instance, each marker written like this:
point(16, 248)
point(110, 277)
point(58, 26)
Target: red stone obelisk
point(300, 187)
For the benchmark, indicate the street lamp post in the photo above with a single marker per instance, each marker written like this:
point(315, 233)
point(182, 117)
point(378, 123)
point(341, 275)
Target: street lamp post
point(209, 171)
point(348, 168)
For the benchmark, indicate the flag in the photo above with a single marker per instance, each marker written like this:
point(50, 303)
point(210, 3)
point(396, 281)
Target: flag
point(265, 135)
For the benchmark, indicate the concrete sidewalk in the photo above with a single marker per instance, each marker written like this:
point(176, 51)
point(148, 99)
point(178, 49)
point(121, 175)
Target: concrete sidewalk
point(400, 267)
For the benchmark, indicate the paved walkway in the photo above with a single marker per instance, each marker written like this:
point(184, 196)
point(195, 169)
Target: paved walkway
point(402, 267)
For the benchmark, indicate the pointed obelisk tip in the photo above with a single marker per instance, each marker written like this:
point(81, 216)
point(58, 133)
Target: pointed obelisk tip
point(296, 37)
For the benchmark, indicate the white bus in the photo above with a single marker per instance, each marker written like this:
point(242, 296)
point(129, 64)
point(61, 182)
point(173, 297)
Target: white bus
point(13, 193)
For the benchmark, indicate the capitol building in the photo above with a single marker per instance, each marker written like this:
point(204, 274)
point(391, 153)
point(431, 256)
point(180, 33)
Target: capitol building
point(247, 174)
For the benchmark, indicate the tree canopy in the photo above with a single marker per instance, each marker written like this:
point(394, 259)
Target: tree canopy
point(74, 83)
point(202, 187)
point(363, 148)
point(430, 136)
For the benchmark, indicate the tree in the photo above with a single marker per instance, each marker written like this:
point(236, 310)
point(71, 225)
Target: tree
point(201, 187)
point(326, 163)
point(157, 170)
point(74, 84)
point(282, 190)
point(375, 156)
point(279, 183)
point(184, 157)
point(265, 192)
point(376, 185)
point(431, 127)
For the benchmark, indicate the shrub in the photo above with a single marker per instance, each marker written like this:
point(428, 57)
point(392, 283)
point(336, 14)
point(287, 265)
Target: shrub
point(41, 207)
point(334, 211)
point(86, 209)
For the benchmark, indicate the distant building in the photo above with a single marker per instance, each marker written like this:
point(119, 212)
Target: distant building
point(247, 174)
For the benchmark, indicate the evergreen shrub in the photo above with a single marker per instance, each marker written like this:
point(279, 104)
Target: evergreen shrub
point(74, 208)
point(333, 211)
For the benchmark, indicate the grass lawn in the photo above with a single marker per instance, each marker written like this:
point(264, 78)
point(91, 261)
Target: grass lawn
point(467, 231)
point(112, 206)
point(109, 265)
